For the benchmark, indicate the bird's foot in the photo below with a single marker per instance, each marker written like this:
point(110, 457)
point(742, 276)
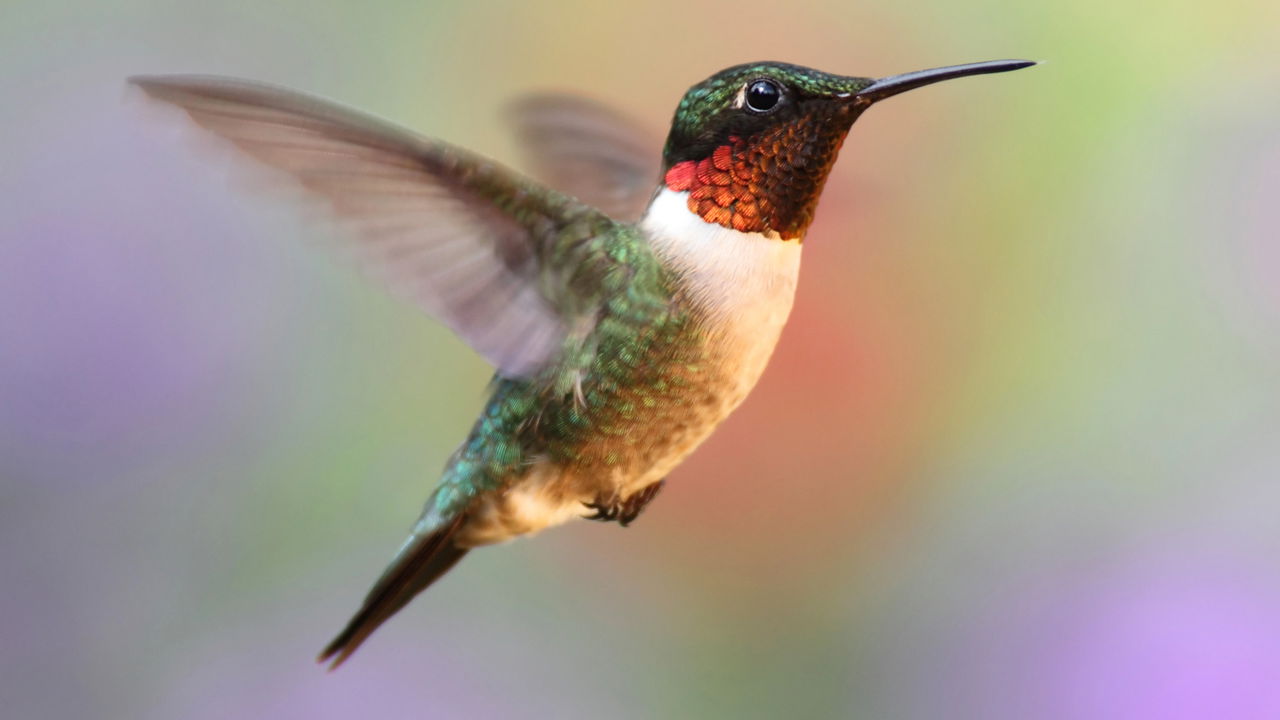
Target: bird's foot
point(624, 511)
point(605, 511)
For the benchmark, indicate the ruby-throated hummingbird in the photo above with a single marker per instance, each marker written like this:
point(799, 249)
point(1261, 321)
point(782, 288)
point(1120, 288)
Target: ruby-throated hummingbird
point(619, 346)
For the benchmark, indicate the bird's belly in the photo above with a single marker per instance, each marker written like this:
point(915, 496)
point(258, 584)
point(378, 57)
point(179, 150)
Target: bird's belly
point(734, 360)
point(540, 499)
point(627, 452)
point(655, 397)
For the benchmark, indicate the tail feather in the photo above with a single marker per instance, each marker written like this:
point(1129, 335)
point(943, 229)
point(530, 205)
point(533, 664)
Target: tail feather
point(419, 564)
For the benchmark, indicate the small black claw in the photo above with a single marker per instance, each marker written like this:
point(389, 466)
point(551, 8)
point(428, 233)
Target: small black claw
point(604, 513)
point(624, 511)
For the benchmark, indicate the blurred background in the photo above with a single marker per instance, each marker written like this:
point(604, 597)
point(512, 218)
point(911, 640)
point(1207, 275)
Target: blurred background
point(1017, 455)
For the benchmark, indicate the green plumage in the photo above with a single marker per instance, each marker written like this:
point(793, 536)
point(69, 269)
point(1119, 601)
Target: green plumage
point(609, 370)
point(705, 116)
point(614, 394)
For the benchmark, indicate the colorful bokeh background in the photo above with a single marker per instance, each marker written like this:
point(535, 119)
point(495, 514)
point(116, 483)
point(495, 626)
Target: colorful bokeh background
point(1017, 456)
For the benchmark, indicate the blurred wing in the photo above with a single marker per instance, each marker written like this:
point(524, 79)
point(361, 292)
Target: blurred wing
point(463, 236)
point(590, 151)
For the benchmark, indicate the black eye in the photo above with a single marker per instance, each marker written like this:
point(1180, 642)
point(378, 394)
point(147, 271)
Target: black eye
point(763, 95)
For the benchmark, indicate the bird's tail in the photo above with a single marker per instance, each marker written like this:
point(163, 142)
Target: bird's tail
point(418, 564)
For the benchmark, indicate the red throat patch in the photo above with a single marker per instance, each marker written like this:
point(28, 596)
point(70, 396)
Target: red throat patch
point(770, 182)
point(721, 190)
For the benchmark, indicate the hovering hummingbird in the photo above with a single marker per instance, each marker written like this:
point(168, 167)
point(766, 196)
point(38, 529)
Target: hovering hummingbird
point(619, 346)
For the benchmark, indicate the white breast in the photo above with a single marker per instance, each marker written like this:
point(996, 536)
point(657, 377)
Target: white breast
point(744, 282)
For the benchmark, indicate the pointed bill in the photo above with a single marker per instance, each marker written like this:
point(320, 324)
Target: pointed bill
point(895, 84)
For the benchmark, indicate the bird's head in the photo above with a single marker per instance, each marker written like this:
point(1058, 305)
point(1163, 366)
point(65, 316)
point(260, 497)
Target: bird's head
point(753, 144)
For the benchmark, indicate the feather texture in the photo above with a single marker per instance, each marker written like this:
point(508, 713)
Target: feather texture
point(421, 561)
point(589, 150)
point(463, 237)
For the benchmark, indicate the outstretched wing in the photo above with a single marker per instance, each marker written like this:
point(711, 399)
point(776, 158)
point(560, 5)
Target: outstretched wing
point(473, 243)
point(589, 150)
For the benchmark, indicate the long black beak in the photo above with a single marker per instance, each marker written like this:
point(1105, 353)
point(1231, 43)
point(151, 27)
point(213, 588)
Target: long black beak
point(894, 84)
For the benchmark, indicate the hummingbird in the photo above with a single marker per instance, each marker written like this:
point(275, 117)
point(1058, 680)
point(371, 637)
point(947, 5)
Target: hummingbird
point(626, 313)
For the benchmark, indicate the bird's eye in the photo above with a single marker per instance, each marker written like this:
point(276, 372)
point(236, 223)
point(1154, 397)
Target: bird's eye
point(763, 95)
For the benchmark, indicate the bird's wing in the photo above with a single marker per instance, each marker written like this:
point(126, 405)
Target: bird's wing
point(588, 150)
point(471, 242)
